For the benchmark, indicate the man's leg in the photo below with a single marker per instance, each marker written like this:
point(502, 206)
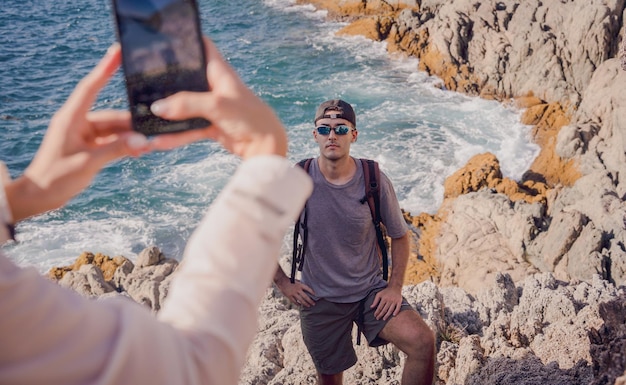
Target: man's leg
point(330, 379)
point(327, 334)
point(409, 333)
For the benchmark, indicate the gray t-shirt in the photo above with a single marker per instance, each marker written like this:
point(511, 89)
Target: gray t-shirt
point(341, 262)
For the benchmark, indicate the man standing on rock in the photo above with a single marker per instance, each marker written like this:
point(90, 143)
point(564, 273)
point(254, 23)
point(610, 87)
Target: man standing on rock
point(341, 283)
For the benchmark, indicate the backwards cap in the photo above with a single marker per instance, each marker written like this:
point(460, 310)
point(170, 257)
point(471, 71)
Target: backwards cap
point(345, 111)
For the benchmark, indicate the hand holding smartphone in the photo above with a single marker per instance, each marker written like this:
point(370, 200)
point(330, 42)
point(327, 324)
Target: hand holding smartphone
point(162, 54)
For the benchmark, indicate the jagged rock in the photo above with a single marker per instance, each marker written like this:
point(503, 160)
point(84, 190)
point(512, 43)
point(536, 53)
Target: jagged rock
point(148, 285)
point(150, 256)
point(146, 282)
point(540, 331)
point(485, 234)
point(483, 171)
point(88, 281)
point(122, 273)
point(549, 247)
point(565, 326)
point(107, 265)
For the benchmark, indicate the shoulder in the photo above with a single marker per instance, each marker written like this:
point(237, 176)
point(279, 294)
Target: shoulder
point(363, 162)
point(305, 163)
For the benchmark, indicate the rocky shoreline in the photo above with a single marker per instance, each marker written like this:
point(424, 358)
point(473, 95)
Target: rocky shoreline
point(522, 280)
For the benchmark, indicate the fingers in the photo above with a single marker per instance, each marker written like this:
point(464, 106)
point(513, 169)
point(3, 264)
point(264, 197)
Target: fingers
point(304, 300)
point(384, 311)
point(170, 141)
point(113, 136)
point(299, 295)
point(223, 80)
point(107, 122)
point(117, 146)
point(87, 89)
point(386, 306)
point(227, 93)
point(184, 105)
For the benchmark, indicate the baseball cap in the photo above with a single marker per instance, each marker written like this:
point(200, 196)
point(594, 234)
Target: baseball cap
point(345, 111)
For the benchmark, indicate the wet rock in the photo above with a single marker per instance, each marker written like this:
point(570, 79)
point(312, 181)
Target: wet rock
point(146, 282)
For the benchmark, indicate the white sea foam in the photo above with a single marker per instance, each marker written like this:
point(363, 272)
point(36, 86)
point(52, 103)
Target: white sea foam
point(418, 132)
point(290, 6)
point(177, 195)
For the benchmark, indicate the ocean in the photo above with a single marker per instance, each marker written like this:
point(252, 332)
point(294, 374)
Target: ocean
point(291, 57)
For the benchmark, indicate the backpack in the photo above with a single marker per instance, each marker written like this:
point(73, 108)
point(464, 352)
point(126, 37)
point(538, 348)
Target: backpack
point(371, 172)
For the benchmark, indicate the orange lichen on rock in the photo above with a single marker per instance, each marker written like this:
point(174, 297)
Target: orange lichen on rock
point(106, 264)
point(377, 20)
point(368, 27)
point(350, 9)
point(483, 171)
point(548, 167)
point(423, 265)
point(454, 77)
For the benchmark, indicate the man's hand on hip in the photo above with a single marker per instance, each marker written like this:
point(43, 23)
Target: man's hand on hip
point(387, 303)
point(297, 292)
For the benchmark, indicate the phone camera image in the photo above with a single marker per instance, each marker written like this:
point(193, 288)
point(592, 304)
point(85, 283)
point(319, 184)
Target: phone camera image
point(162, 53)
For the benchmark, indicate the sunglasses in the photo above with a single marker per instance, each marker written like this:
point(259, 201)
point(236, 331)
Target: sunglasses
point(341, 129)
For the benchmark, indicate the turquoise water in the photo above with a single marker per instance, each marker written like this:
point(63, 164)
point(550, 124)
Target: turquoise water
point(290, 56)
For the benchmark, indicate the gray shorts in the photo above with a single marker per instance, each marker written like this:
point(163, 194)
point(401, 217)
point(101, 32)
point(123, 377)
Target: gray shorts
point(327, 331)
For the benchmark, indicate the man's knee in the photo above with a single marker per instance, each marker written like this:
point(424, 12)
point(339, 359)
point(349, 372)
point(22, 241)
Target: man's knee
point(425, 338)
point(415, 336)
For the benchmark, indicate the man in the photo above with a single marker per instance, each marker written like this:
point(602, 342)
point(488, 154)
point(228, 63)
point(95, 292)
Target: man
point(341, 282)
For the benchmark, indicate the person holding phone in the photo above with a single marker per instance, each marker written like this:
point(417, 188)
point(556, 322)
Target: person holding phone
point(52, 335)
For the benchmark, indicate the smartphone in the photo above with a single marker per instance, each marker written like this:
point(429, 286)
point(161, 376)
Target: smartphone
point(162, 53)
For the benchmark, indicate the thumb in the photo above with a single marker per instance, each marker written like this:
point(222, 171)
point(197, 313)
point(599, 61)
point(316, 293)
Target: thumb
point(183, 105)
point(126, 144)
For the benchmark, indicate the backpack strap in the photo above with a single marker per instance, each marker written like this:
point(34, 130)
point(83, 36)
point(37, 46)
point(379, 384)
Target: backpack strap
point(299, 246)
point(371, 172)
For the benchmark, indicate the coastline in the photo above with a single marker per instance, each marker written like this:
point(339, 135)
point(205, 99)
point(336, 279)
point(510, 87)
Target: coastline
point(523, 281)
point(442, 37)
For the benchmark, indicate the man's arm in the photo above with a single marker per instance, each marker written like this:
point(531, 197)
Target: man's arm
point(400, 248)
point(389, 300)
point(296, 292)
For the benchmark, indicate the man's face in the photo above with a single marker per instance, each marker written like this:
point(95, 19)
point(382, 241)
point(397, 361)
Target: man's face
point(334, 145)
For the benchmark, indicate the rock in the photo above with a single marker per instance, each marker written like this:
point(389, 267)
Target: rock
point(88, 281)
point(148, 285)
point(541, 331)
point(549, 247)
point(106, 264)
point(497, 320)
point(150, 256)
point(146, 282)
point(485, 234)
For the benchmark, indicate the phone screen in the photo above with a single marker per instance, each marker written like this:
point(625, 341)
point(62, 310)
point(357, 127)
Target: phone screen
point(162, 53)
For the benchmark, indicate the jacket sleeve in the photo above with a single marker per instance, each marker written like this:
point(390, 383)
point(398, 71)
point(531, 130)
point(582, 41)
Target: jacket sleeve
point(51, 335)
point(622, 54)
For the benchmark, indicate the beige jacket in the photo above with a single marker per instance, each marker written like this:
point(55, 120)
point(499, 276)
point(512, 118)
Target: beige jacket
point(50, 335)
point(622, 54)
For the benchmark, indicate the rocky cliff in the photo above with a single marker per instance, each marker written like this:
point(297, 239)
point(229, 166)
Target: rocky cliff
point(523, 281)
point(558, 61)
